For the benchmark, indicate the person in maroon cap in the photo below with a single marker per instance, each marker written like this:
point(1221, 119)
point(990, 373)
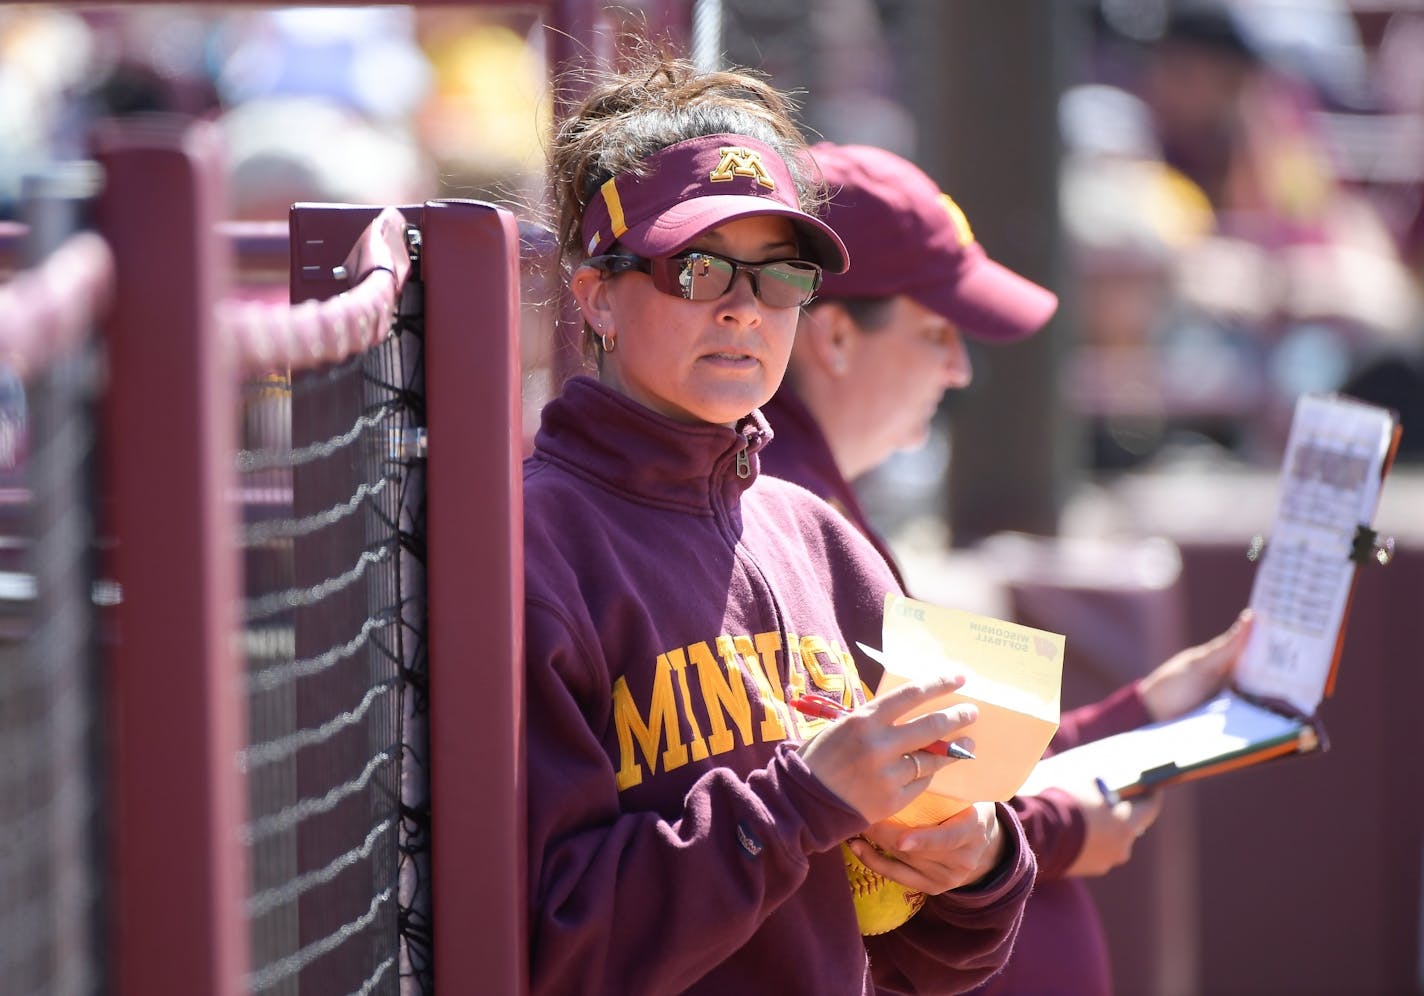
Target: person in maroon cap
point(875, 353)
point(685, 823)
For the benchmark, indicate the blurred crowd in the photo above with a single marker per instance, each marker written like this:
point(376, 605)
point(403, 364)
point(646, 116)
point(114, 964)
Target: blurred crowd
point(1243, 192)
point(370, 104)
point(1242, 182)
point(360, 105)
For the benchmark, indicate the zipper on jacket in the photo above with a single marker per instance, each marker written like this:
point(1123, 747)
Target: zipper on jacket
point(744, 465)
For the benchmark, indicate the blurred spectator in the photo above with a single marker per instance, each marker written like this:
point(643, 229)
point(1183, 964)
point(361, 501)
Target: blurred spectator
point(844, 56)
point(1224, 258)
point(288, 149)
point(1154, 360)
point(363, 58)
point(317, 108)
point(44, 58)
point(1395, 159)
point(488, 108)
point(149, 59)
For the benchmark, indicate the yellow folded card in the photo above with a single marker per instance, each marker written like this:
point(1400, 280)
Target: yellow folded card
point(1013, 674)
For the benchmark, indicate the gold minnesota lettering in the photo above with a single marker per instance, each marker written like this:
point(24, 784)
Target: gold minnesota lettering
point(731, 677)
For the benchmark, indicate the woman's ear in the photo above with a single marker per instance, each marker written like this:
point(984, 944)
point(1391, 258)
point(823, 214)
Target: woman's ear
point(590, 291)
point(825, 337)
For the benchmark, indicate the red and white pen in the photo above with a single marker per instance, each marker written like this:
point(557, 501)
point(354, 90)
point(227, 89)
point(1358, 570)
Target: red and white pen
point(820, 707)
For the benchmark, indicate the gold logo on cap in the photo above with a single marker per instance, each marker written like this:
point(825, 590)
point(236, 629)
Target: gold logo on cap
point(739, 161)
point(961, 223)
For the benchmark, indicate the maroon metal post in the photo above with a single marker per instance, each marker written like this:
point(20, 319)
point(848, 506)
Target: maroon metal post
point(475, 576)
point(173, 675)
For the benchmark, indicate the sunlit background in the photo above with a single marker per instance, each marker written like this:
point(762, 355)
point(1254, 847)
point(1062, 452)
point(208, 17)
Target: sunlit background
point(1228, 198)
point(1238, 186)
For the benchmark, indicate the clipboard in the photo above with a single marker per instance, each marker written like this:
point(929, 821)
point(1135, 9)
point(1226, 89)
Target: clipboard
point(1337, 456)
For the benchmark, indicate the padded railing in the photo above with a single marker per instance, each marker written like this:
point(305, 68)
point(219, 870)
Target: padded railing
point(282, 739)
point(52, 882)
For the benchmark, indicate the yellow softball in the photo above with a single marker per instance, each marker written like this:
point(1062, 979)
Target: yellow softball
point(881, 904)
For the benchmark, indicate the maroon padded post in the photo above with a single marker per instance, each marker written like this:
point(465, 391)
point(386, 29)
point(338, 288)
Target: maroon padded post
point(474, 570)
point(475, 578)
point(173, 678)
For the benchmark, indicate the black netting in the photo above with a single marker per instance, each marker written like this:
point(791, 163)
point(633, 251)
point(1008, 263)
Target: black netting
point(50, 870)
point(332, 487)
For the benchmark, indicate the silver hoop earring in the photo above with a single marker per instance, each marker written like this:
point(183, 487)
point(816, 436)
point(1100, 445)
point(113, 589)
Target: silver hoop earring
point(608, 341)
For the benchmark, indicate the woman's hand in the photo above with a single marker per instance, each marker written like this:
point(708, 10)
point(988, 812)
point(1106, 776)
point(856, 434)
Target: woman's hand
point(873, 762)
point(950, 855)
point(1187, 679)
point(1110, 831)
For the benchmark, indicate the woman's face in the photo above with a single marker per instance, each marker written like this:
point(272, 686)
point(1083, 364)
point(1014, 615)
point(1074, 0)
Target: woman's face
point(696, 361)
point(901, 373)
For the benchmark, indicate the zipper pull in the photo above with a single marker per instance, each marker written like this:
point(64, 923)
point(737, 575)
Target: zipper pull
point(744, 465)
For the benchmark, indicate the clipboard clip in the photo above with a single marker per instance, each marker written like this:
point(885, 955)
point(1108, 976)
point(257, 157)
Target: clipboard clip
point(1256, 548)
point(1368, 547)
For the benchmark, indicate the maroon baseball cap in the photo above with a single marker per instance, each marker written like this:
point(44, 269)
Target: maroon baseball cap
point(908, 237)
point(687, 188)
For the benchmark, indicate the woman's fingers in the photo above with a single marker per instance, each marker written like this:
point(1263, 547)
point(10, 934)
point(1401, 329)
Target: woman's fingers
point(875, 758)
point(938, 726)
point(904, 698)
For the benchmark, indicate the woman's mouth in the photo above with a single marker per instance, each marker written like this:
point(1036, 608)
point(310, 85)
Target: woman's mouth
point(729, 356)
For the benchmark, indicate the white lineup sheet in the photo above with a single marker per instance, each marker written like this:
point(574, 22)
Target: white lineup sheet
point(1330, 484)
point(1331, 477)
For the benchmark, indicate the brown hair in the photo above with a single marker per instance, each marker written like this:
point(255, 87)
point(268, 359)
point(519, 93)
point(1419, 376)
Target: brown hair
point(657, 101)
point(870, 314)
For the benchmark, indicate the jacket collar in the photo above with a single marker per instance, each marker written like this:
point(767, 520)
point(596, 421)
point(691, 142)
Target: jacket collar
point(603, 435)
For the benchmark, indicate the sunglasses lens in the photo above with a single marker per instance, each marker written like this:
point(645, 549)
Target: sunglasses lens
point(702, 277)
point(788, 284)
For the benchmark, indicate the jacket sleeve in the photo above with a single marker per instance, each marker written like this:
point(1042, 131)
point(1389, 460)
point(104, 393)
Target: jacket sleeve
point(962, 937)
point(1052, 820)
point(1054, 827)
point(1121, 711)
point(608, 888)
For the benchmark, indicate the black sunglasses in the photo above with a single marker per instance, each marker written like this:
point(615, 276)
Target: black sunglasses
point(699, 275)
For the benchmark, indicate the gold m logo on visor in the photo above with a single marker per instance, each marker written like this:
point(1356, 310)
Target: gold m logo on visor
point(737, 161)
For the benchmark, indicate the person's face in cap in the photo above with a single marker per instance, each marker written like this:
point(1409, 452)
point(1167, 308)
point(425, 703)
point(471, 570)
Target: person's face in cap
point(884, 382)
point(904, 368)
point(696, 361)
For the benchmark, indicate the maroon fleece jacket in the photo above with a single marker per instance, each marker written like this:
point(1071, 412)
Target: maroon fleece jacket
point(675, 599)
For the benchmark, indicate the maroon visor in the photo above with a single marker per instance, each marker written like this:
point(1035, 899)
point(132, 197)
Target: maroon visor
point(694, 186)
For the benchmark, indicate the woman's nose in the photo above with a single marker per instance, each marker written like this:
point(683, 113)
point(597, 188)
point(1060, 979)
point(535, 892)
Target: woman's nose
point(740, 302)
point(958, 370)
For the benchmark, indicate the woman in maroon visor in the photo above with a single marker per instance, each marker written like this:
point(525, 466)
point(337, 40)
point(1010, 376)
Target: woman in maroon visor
point(685, 823)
